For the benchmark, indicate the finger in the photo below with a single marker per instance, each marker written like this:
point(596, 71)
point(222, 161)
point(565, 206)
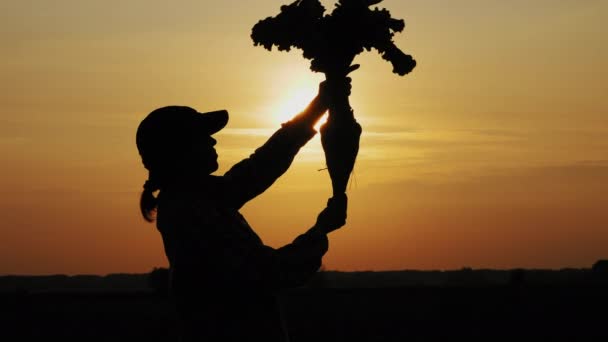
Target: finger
point(352, 68)
point(341, 199)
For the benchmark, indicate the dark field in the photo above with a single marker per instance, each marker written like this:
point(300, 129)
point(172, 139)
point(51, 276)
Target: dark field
point(414, 313)
point(466, 304)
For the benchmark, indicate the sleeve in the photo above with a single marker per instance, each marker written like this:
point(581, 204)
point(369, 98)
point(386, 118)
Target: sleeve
point(291, 265)
point(231, 260)
point(266, 268)
point(252, 176)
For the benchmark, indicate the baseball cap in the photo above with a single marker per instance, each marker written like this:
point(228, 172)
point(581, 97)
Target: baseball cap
point(170, 127)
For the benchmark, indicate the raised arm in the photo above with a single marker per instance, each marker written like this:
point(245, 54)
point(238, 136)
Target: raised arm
point(294, 264)
point(252, 176)
point(224, 255)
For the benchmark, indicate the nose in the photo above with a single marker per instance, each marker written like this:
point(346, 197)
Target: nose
point(213, 141)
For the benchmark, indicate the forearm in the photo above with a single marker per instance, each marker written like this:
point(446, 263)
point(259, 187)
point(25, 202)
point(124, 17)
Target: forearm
point(302, 258)
point(265, 268)
point(311, 114)
point(255, 174)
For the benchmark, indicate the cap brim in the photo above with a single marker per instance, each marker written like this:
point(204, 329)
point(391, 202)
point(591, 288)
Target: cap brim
point(212, 122)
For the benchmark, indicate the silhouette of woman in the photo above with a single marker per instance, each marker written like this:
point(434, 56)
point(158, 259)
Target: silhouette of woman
point(224, 280)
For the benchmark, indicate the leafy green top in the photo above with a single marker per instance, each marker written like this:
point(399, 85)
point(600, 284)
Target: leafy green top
point(332, 41)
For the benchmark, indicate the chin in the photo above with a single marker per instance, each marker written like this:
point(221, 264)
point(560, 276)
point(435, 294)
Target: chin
point(214, 167)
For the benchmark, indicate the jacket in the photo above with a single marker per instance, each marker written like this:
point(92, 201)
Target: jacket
point(223, 278)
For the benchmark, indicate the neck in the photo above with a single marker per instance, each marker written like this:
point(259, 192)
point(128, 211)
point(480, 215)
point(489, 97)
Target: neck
point(205, 183)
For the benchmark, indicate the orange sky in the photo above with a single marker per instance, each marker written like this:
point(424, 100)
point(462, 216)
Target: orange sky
point(493, 153)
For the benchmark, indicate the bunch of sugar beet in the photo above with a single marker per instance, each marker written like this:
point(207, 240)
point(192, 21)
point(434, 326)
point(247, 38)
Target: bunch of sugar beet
point(331, 42)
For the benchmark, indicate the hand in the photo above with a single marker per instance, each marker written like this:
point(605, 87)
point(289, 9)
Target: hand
point(334, 215)
point(331, 91)
point(335, 88)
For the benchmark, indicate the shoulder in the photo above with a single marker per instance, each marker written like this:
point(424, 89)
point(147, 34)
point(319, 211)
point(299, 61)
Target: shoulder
point(185, 211)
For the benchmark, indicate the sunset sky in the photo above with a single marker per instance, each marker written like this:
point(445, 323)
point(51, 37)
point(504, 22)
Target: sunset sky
point(492, 153)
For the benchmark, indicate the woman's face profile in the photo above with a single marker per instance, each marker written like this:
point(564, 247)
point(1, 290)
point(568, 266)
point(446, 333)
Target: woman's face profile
point(202, 157)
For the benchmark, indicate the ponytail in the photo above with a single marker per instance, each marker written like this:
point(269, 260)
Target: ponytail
point(148, 202)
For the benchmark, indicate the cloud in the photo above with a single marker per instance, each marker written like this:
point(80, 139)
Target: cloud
point(13, 141)
point(251, 132)
point(14, 135)
point(576, 179)
point(415, 153)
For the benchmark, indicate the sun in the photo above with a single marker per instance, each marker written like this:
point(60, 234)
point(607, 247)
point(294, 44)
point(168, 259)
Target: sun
point(294, 101)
